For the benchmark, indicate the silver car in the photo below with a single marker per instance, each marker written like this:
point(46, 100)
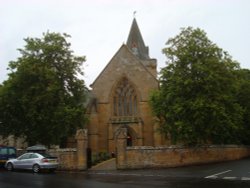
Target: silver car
point(33, 161)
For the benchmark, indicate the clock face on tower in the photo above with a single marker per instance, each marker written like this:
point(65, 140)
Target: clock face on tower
point(134, 49)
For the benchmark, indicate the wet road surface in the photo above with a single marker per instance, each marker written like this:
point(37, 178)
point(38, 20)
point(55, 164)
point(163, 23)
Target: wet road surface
point(222, 175)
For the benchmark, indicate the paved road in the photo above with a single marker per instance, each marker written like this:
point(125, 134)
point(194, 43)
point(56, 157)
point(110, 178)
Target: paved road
point(230, 174)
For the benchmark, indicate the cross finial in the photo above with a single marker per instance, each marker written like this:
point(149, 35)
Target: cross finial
point(134, 13)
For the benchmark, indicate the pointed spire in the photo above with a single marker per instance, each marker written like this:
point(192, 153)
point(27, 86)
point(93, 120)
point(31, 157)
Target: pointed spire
point(135, 42)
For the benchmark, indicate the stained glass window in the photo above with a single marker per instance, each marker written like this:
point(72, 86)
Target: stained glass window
point(124, 100)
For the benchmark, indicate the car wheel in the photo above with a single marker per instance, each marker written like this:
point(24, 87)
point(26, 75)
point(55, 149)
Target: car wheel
point(9, 167)
point(36, 168)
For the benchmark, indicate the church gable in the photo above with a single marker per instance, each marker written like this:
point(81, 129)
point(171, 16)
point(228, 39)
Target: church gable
point(123, 64)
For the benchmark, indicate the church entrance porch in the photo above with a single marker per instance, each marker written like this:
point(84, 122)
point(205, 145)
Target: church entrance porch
point(134, 131)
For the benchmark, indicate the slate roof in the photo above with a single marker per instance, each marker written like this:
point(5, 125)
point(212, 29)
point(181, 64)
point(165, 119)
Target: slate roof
point(135, 42)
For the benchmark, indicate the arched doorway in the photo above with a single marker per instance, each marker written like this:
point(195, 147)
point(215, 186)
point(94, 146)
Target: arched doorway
point(131, 136)
point(129, 140)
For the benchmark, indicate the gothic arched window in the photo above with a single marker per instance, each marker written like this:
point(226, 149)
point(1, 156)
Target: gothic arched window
point(124, 99)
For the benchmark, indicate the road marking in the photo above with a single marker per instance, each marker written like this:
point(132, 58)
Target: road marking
point(214, 176)
point(229, 178)
point(245, 178)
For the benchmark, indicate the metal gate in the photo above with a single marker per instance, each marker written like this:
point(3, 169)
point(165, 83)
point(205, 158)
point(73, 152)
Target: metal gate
point(89, 158)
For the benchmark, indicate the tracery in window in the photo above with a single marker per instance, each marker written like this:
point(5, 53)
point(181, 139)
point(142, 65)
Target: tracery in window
point(124, 99)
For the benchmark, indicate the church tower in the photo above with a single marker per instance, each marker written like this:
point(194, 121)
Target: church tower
point(136, 44)
point(120, 96)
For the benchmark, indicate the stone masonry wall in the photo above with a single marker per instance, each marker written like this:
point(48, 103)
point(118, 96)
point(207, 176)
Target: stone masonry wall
point(155, 157)
point(67, 158)
point(73, 159)
point(139, 157)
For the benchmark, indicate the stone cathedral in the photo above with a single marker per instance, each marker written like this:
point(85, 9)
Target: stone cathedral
point(120, 97)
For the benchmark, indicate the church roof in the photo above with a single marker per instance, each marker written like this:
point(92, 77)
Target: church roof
point(135, 42)
point(122, 50)
point(135, 48)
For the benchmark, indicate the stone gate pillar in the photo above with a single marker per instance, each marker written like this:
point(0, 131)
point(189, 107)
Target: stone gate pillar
point(82, 144)
point(121, 144)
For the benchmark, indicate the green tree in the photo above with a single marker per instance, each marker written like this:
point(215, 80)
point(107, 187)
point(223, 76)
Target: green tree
point(43, 98)
point(196, 101)
point(243, 98)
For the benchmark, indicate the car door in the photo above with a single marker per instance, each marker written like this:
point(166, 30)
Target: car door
point(21, 162)
point(33, 159)
point(3, 155)
point(11, 153)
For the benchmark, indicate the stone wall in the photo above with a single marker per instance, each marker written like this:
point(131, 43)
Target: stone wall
point(14, 142)
point(138, 157)
point(67, 158)
point(75, 158)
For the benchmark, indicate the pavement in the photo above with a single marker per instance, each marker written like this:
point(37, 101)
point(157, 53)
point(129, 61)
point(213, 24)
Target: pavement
point(238, 170)
point(105, 165)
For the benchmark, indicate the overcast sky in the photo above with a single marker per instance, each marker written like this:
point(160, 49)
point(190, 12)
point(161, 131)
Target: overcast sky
point(99, 27)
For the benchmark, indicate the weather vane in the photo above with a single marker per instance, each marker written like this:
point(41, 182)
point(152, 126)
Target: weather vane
point(134, 13)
